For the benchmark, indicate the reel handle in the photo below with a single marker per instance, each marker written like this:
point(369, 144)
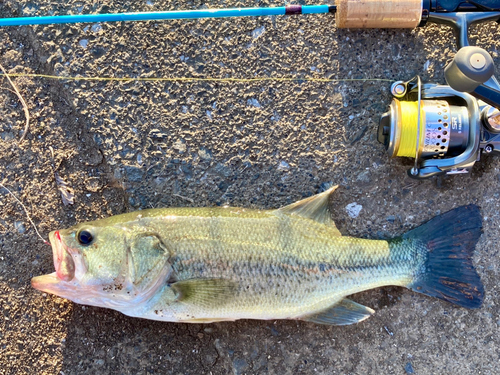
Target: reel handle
point(472, 71)
point(471, 67)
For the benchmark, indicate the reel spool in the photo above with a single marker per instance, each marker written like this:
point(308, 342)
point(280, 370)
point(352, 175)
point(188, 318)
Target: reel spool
point(444, 129)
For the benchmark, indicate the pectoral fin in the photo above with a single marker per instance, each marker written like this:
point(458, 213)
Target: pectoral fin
point(343, 313)
point(316, 208)
point(205, 292)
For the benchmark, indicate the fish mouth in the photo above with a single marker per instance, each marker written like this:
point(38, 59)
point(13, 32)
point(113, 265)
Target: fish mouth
point(63, 260)
point(63, 264)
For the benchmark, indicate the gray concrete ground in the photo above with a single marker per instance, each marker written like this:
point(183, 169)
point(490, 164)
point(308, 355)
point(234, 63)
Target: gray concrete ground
point(127, 145)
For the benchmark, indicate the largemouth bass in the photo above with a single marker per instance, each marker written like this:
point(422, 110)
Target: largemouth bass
point(204, 265)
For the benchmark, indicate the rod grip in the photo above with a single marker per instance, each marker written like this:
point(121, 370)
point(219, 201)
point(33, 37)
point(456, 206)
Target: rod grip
point(367, 14)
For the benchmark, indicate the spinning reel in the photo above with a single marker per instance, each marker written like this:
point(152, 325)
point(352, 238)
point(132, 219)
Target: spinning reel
point(446, 128)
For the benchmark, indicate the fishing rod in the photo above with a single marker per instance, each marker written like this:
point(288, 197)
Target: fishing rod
point(445, 128)
point(349, 13)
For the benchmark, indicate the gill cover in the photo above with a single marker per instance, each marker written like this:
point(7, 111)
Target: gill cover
point(146, 258)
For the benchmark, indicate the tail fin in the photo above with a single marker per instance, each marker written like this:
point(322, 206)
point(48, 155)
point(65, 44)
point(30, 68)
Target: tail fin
point(448, 273)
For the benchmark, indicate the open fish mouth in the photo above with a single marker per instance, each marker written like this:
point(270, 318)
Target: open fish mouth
point(63, 261)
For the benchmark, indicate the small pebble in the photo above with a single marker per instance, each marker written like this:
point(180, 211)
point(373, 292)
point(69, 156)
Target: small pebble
point(353, 209)
point(258, 32)
point(180, 145)
point(204, 153)
point(96, 28)
point(253, 102)
point(409, 368)
point(20, 227)
point(283, 166)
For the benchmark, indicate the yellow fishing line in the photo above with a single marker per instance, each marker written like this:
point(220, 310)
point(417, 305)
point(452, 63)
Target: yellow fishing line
point(191, 79)
point(408, 137)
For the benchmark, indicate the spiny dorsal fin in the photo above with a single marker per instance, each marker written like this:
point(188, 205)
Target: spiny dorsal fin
point(343, 313)
point(205, 292)
point(315, 208)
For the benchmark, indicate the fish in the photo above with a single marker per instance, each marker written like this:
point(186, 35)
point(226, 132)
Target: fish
point(212, 264)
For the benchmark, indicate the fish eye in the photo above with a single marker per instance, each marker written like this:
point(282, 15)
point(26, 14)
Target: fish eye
point(84, 237)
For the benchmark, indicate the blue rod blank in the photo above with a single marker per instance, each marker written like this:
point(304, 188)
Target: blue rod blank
point(150, 16)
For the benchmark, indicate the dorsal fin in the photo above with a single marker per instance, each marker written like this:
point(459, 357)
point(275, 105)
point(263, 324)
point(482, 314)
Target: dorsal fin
point(315, 208)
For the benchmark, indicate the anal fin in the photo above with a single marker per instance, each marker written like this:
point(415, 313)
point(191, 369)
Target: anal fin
point(343, 313)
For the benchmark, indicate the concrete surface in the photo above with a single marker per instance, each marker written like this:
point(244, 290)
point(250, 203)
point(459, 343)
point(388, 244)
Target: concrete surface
point(126, 146)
